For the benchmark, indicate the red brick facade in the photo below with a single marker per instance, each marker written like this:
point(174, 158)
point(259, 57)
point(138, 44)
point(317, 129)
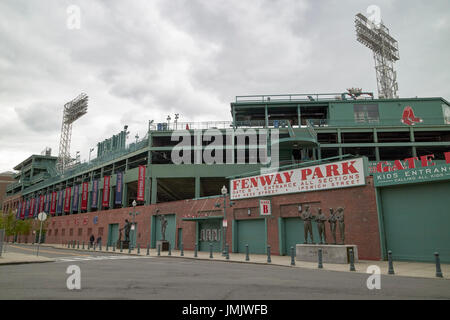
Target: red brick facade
point(361, 218)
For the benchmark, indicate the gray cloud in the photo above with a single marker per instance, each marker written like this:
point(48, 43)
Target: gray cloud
point(141, 60)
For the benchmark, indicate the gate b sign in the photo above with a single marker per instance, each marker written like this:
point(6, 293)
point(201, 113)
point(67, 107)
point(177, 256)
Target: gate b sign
point(265, 209)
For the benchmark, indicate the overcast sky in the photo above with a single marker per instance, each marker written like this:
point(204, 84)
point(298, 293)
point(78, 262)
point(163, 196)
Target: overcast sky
point(141, 60)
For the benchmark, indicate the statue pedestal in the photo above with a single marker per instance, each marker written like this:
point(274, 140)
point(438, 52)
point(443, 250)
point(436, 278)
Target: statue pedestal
point(164, 245)
point(330, 253)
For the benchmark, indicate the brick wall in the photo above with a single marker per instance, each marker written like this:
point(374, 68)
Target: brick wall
point(361, 218)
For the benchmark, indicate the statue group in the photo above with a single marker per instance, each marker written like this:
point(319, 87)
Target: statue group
point(336, 217)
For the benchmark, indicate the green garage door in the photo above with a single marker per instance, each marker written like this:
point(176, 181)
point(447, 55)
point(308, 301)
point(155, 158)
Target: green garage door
point(417, 221)
point(294, 233)
point(210, 232)
point(113, 234)
point(170, 230)
point(253, 233)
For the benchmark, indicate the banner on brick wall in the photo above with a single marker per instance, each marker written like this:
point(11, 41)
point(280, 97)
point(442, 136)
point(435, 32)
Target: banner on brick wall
point(84, 196)
point(36, 207)
point(24, 205)
point(141, 184)
point(27, 208)
point(53, 203)
point(119, 188)
point(32, 207)
point(60, 202)
point(47, 203)
point(106, 183)
point(94, 203)
point(41, 203)
point(19, 210)
point(67, 198)
point(76, 196)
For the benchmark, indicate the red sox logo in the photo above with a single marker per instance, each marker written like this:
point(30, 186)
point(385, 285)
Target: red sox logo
point(409, 118)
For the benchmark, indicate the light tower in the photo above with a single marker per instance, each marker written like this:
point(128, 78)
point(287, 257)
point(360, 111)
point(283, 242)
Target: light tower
point(385, 51)
point(73, 110)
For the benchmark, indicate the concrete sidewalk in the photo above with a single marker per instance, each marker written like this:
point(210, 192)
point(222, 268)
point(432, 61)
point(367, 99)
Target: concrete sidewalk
point(8, 258)
point(401, 268)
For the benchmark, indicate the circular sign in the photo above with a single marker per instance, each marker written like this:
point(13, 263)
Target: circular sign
point(95, 219)
point(42, 216)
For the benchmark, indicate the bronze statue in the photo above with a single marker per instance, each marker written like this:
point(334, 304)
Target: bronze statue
point(127, 228)
point(340, 219)
point(307, 217)
point(320, 219)
point(163, 220)
point(332, 220)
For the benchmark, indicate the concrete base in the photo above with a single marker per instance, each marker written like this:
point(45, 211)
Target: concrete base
point(330, 253)
point(164, 245)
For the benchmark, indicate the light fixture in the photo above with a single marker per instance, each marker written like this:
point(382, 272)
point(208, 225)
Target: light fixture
point(224, 190)
point(134, 203)
point(299, 208)
point(249, 212)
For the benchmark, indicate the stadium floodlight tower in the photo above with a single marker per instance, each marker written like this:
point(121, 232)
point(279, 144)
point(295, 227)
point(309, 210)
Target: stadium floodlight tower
point(73, 110)
point(375, 36)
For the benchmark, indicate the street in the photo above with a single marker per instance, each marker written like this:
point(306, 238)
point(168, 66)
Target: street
point(109, 276)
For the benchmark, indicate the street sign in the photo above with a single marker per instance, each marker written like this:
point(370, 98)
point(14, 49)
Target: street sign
point(42, 216)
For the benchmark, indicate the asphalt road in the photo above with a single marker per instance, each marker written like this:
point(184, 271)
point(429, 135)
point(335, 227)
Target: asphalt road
point(108, 276)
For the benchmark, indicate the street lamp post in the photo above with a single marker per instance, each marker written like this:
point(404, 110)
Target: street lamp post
point(134, 213)
point(224, 222)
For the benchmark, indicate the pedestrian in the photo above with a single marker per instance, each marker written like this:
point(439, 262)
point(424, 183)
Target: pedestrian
point(91, 240)
point(99, 239)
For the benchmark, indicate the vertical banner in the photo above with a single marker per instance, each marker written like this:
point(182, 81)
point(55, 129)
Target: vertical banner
point(141, 184)
point(106, 182)
point(60, 202)
point(19, 210)
point(67, 199)
point(41, 205)
point(47, 203)
point(27, 208)
point(32, 207)
point(22, 214)
point(36, 207)
point(94, 203)
point(119, 188)
point(53, 203)
point(76, 196)
point(84, 196)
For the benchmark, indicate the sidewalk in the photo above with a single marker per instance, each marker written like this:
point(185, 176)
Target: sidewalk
point(401, 268)
point(8, 258)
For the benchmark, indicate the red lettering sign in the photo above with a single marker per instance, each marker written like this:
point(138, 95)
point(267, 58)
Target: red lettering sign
point(141, 184)
point(106, 182)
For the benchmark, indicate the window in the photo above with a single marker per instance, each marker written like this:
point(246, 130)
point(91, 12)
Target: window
point(446, 112)
point(80, 232)
point(366, 113)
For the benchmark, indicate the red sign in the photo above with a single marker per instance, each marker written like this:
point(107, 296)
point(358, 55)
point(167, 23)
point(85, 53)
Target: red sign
point(53, 203)
point(84, 196)
point(141, 184)
point(408, 163)
point(106, 182)
point(67, 199)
